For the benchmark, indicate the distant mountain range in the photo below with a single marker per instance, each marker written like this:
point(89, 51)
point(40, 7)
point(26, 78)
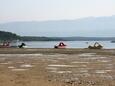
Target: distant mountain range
point(86, 27)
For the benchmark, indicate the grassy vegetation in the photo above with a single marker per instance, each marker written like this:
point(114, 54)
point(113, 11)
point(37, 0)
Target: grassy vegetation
point(8, 36)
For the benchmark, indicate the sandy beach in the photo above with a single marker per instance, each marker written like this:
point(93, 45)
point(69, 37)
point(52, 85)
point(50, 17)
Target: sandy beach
point(57, 67)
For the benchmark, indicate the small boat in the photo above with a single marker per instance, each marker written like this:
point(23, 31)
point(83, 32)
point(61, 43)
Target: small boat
point(61, 45)
point(5, 45)
point(95, 46)
point(8, 45)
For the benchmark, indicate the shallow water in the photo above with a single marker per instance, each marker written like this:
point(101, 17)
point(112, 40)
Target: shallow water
point(11, 67)
point(76, 62)
point(101, 71)
point(87, 54)
point(19, 69)
point(58, 65)
point(51, 68)
point(109, 77)
point(61, 72)
point(26, 65)
point(70, 44)
point(21, 55)
point(5, 63)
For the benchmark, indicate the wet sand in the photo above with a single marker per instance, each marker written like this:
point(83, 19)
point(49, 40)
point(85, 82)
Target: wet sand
point(57, 67)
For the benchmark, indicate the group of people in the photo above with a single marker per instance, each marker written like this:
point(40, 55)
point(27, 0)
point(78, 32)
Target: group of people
point(7, 45)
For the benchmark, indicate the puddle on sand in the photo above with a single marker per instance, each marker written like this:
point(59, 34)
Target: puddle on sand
point(95, 57)
point(11, 67)
point(80, 62)
point(21, 55)
point(5, 63)
point(53, 65)
point(51, 68)
point(108, 70)
point(107, 77)
point(100, 71)
point(87, 54)
point(109, 66)
point(84, 71)
point(103, 57)
point(61, 71)
point(19, 69)
point(82, 75)
point(86, 74)
point(70, 79)
point(26, 65)
point(104, 61)
point(61, 58)
point(51, 60)
point(57, 55)
point(83, 65)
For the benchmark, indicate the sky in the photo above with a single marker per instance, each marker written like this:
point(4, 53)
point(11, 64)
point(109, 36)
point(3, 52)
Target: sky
point(44, 10)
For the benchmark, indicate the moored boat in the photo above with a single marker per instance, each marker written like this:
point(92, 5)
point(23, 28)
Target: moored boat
point(5, 45)
point(61, 45)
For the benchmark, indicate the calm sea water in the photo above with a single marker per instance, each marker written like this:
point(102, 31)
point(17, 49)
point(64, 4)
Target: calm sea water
point(70, 44)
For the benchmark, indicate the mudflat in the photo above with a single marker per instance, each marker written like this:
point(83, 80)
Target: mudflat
point(57, 67)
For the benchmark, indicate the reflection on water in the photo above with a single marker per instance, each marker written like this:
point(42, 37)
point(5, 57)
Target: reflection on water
point(19, 69)
point(70, 44)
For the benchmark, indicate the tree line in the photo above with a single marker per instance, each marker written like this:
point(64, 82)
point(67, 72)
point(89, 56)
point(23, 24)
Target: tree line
point(9, 36)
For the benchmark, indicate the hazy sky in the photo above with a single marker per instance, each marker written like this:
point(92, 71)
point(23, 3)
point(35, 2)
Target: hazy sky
point(40, 10)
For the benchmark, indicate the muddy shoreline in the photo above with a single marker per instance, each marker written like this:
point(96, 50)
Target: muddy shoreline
point(51, 50)
point(57, 67)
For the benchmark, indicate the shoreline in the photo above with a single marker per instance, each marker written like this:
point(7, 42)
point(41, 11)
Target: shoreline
point(52, 50)
point(57, 67)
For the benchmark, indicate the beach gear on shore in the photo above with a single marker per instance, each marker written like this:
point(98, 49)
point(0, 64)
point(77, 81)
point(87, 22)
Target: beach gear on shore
point(61, 45)
point(5, 45)
point(95, 46)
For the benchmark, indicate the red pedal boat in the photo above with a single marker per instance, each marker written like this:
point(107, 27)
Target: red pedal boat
point(61, 45)
point(5, 45)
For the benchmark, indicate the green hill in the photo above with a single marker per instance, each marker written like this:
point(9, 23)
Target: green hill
point(8, 36)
